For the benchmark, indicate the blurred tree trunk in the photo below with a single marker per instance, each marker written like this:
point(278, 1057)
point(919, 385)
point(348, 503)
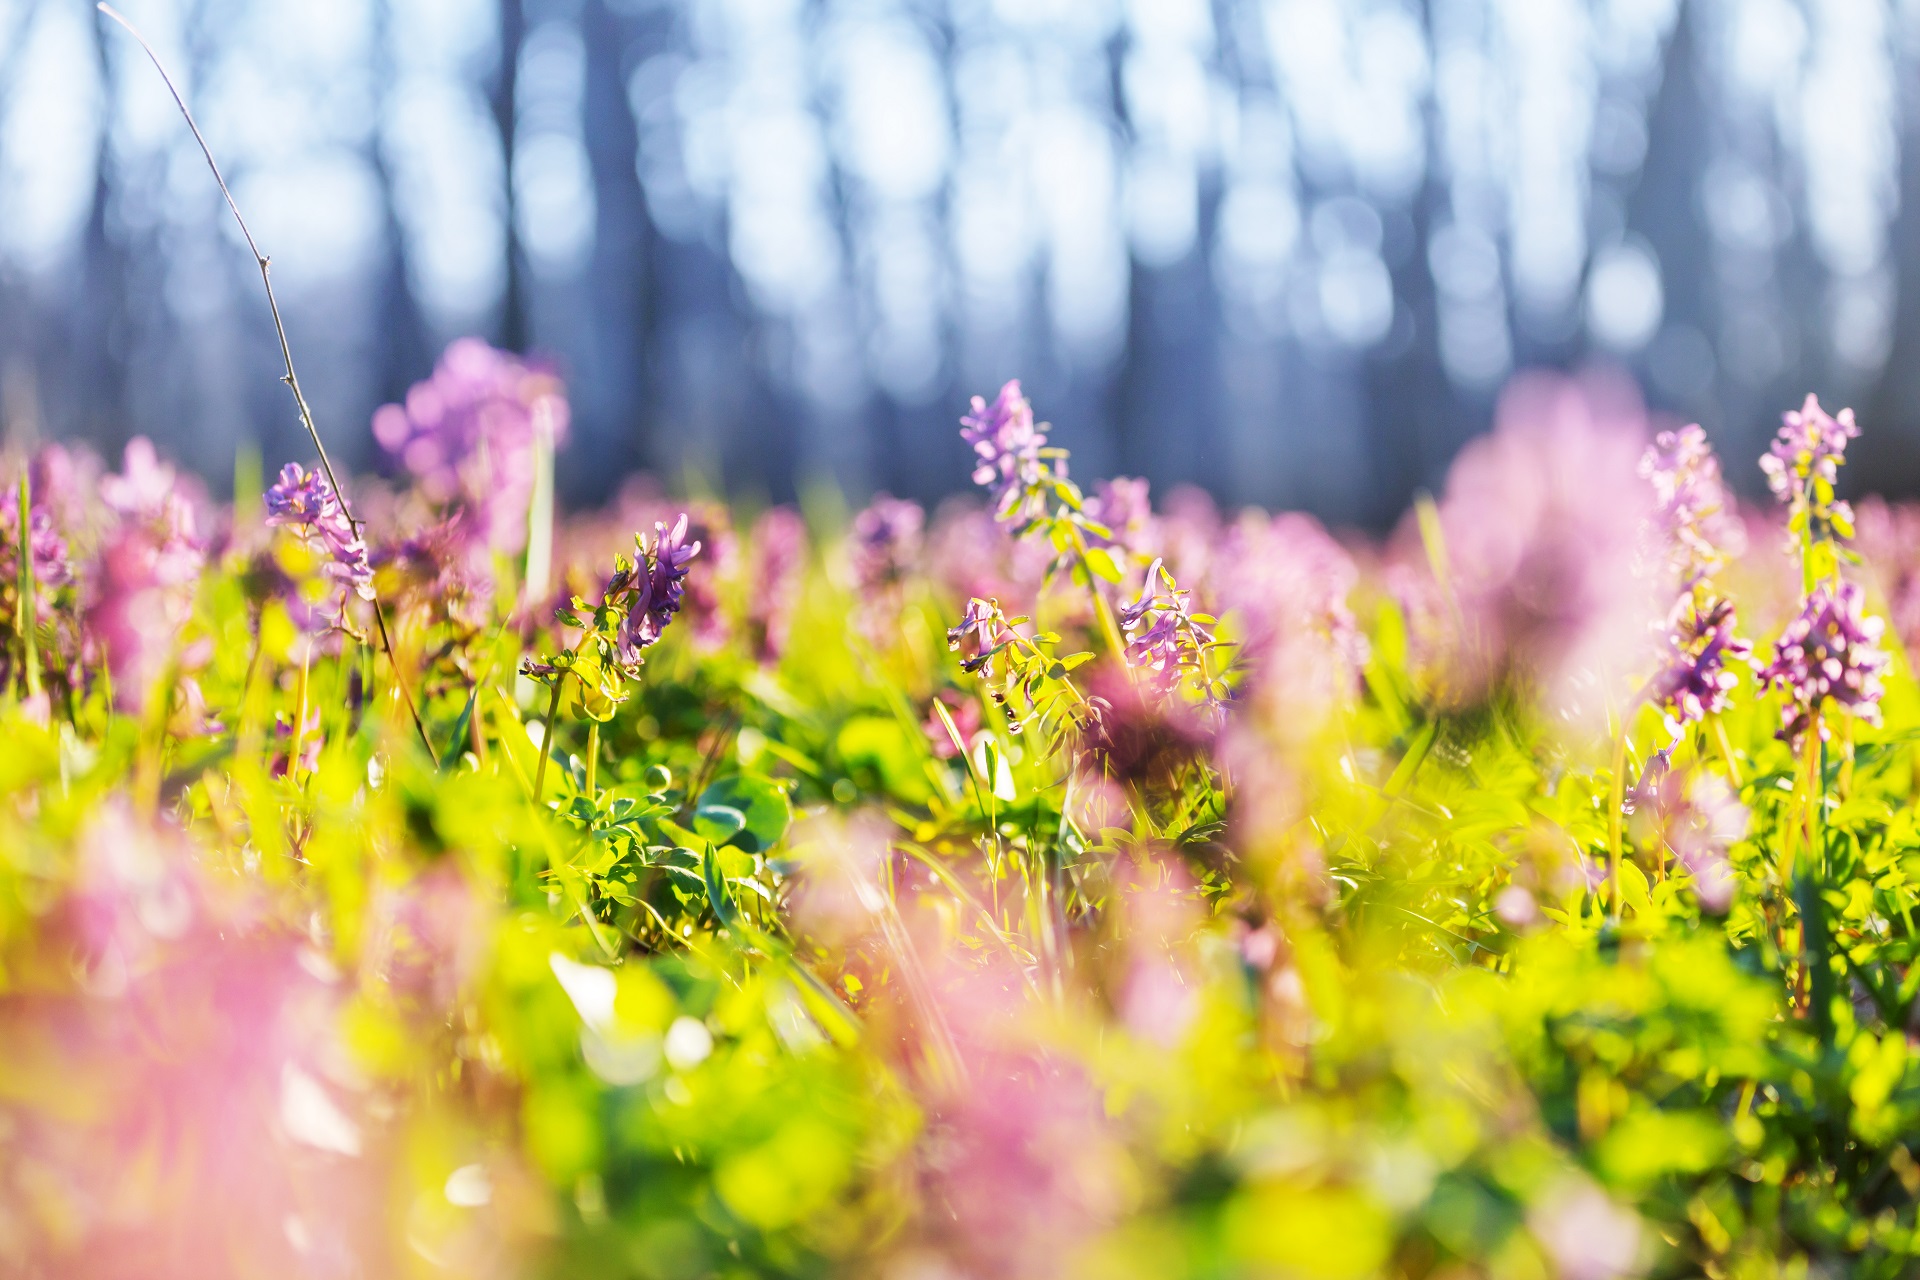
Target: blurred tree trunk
point(97, 369)
point(404, 350)
point(620, 268)
point(513, 328)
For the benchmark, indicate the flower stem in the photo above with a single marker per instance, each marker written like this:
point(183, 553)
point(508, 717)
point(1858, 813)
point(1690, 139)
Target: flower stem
point(546, 744)
point(28, 610)
point(593, 756)
point(1815, 944)
point(300, 716)
point(1102, 607)
point(1616, 797)
point(1726, 752)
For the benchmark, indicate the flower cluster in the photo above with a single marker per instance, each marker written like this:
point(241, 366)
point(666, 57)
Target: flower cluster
point(302, 501)
point(1167, 641)
point(1829, 653)
point(650, 599)
point(779, 561)
point(1122, 508)
point(1804, 462)
point(45, 547)
point(1013, 462)
point(982, 632)
point(638, 603)
point(1695, 532)
point(1023, 675)
point(1534, 549)
point(1696, 678)
point(141, 585)
point(1694, 519)
point(468, 437)
point(1289, 589)
point(886, 542)
point(885, 549)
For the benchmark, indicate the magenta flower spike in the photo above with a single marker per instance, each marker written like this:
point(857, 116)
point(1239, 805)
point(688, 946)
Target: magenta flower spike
point(1697, 678)
point(305, 503)
point(1810, 447)
point(1007, 448)
point(467, 436)
point(1829, 653)
point(1694, 513)
point(886, 544)
point(657, 584)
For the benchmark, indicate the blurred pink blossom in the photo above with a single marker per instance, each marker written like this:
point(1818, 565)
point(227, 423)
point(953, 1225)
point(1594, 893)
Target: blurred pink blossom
point(184, 1108)
point(141, 587)
point(1541, 526)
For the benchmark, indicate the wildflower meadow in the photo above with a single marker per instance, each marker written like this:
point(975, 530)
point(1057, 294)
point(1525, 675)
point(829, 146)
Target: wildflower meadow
point(1054, 884)
point(403, 877)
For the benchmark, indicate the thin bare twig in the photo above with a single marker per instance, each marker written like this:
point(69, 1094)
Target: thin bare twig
point(291, 378)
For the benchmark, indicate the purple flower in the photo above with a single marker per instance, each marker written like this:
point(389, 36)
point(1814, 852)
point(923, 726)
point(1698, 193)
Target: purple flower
point(1164, 639)
point(886, 543)
point(1536, 545)
point(467, 436)
point(1122, 505)
point(47, 559)
point(65, 480)
point(1288, 586)
point(1807, 454)
point(141, 587)
point(981, 628)
point(1693, 512)
point(446, 570)
point(304, 502)
point(51, 567)
point(656, 585)
point(1008, 448)
point(1829, 653)
point(1695, 681)
point(779, 561)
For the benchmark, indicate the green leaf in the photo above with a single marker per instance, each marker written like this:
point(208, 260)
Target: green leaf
point(457, 745)
point(1105, 563)
point(761, 804)
point(718, 822)
point(716, 882)
point(883, 744)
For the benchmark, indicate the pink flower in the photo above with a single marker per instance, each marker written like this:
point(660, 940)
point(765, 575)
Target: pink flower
point(1587, 1235)
point(1122, 505)
point(1541, 525)
point(1830, 653)
point(305, 503)
point(196, 1107)
point(1694, 513)
point(1007, 447)
point(775, 575)
point(142, 583)
point(467, 435)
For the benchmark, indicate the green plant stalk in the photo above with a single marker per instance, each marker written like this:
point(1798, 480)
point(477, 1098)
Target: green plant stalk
point(546, 743)
point(593, 757)
point(27, 611)
point(1726, 751)
point(1616, 797)
point(1102, 608)
point(539, 566)
point(1815, 945)
point(300, 716)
